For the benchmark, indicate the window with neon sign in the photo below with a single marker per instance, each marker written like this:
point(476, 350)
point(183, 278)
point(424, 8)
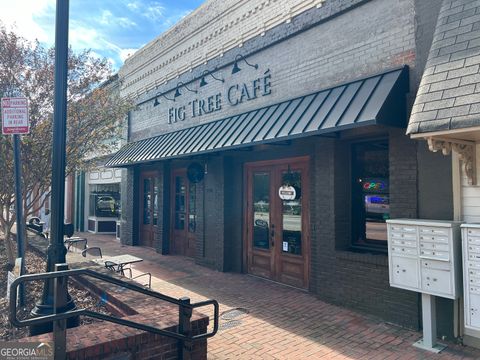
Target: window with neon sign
point(370, 194)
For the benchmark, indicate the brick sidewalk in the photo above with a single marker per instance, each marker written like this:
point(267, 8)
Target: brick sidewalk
point(265, 320)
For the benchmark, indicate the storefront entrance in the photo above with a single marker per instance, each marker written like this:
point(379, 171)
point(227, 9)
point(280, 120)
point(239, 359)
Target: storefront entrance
point(183, 214)
point(149, 203)
point(277, 236)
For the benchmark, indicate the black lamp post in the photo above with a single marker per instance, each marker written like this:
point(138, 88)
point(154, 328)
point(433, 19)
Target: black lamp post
point(56, 253)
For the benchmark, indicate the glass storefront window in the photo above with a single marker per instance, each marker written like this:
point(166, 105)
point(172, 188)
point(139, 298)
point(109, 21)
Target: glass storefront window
point(104, 200)
point(370, 195)
point(146, 201)
point(156, 194)
point(180, 209)
point(292, 215)
point(261, 210)
point(192, 207)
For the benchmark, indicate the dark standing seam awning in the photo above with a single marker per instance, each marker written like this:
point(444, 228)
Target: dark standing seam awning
point(378, 99)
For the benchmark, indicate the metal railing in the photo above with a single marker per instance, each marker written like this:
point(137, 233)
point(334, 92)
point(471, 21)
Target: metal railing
point(184, 334)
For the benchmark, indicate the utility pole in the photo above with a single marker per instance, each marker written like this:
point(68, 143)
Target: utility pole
point(19, 213)
point(56, 252)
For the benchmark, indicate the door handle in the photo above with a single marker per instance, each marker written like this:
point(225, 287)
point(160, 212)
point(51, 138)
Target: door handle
point(272, 235)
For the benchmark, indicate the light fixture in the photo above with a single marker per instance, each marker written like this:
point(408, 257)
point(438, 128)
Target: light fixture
point(156, 102)
point(204, 82)
point(236, 68)
point(179, 85)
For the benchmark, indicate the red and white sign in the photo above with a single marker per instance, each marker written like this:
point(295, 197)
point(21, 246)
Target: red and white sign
point(15, 116)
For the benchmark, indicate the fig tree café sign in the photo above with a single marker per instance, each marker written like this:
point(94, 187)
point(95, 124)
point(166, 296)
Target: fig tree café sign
point(15, 115)
point(234, 95)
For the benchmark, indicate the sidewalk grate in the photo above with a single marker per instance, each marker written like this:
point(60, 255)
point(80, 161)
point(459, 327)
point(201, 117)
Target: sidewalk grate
point(233, 313)
point(229, 324)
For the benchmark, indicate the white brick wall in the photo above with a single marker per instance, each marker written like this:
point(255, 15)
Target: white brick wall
point(377, 36)
point(208, 32)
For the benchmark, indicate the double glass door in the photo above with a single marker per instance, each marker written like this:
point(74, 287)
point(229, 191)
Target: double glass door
point(277, 238)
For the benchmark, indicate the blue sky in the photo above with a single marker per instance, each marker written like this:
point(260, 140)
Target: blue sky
point(110, 28)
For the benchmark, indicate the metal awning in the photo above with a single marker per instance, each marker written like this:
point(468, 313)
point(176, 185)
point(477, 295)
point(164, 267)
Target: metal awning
point(378, 99)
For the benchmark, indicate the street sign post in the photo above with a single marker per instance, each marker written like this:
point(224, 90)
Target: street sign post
point(15, 122)
point(15, 116)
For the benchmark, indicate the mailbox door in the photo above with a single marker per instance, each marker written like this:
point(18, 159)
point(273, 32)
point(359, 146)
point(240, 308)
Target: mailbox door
point(405, 272)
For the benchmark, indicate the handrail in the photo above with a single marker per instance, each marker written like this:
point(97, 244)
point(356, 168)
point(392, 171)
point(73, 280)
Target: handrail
point(76, 272)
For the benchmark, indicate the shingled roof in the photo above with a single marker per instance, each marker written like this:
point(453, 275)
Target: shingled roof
point(449, 92)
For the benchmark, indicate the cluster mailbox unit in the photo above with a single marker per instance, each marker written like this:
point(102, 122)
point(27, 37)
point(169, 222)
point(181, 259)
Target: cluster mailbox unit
point(426, 256)
point(471, 278)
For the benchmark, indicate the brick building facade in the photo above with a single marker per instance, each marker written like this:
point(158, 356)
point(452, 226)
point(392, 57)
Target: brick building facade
point(293, 55)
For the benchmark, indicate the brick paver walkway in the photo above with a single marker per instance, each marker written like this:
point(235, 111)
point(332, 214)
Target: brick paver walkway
point(275, 321)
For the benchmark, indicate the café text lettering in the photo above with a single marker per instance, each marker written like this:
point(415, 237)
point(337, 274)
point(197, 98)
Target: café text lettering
point(235, 95)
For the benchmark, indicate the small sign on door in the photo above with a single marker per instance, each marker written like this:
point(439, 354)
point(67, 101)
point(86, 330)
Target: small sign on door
point(287, 192)
point(285, 246)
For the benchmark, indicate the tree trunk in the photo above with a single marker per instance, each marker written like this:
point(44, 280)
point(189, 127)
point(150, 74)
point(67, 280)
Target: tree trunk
point(9, 248)
point(25, 238)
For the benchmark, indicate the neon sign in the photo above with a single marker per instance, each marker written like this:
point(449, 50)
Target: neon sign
point(374, 185)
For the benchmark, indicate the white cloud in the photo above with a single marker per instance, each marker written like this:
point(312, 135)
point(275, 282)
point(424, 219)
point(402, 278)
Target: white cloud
point(81, 37)
point(100, 30)
point(108, 19)
point(154, 12)
point(22, 13)
point(87, 38)
point(133, 5)
point(125, 22)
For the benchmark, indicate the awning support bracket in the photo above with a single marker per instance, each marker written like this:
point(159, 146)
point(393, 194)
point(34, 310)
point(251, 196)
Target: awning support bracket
point(465, 150)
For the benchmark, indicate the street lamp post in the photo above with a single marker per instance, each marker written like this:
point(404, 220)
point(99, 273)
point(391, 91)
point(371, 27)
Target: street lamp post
point(56, 253)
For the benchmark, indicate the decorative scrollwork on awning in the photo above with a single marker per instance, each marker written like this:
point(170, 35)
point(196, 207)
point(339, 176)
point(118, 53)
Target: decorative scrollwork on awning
point(465, 150)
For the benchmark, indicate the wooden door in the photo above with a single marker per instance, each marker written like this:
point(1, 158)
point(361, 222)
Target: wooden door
point(149, 205)
point(183, 214)
point(260, 230)
point(277, 236)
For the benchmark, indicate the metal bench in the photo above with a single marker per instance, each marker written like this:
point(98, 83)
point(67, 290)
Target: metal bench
point(92, 251)
point(74, 242)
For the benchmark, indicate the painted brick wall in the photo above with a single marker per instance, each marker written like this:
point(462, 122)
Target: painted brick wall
point(214, 28)
point(370, 38)
point(357, 280)
point(210, 241)
point(377, 35)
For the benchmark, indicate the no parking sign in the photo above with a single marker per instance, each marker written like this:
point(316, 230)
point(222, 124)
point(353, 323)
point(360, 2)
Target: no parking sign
point(15, 116)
